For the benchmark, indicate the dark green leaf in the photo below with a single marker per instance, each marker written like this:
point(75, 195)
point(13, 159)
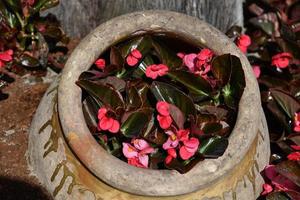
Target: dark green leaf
point(143, 44)
point(212, 127)
point(196, 84)
point(213, 147)
point(90, 111)
point(136, 123)
point(140, 70)
point(106, 94)
point(222, 68)
point(14, 4)
point(266, 26)
point(28, 61)
point(290, 170)
point(276, 196)
point(172, 95)
point(155, 135)
point(53, 32)
point(113, 81)
point(167, 56)
point(92, 75)
point(133, 100)
point(234, 31)
point(116, 57)
point(288, 103)
point(10, 17)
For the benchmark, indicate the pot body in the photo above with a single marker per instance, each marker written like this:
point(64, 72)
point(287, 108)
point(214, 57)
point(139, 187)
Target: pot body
point(69, 162)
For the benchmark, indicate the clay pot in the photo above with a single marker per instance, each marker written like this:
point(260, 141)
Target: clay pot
point(72, 165)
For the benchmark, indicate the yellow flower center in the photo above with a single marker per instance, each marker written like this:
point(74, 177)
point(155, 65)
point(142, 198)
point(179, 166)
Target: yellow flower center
point(173, 137)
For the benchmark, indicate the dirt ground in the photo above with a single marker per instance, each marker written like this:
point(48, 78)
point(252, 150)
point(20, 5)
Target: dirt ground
point(16, 114)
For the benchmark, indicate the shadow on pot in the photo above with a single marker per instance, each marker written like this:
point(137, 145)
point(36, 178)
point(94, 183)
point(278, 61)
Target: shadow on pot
point(13, 189)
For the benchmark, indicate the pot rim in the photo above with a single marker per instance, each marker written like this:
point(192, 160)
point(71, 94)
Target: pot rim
point(150, 182)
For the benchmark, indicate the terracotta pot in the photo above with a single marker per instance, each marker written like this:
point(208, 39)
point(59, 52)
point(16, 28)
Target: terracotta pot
point(72, 165)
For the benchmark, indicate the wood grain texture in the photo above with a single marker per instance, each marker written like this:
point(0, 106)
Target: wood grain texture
point(79, 17)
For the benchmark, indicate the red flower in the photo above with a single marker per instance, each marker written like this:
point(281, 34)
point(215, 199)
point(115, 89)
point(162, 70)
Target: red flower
point(267, 189)
point(189, 61)
point(295, 156)
point(297, 122)
point(281, 60)
point(205, 56)
point(189, 148)
point(171, 155)
point(133, 57)
point(256, 70)
point(163, 117)
point(107, 123)
point(153, 71)
point(100, 63)
point(296, 147)
point(243, 42)
point(173, 139)
point(6, 56)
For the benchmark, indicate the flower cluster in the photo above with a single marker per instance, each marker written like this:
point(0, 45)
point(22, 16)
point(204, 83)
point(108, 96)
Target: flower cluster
point(6, 56)
point(198, 63)
point(137, 155)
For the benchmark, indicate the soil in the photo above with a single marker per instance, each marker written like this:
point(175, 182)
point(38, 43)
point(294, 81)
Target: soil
point(16, 114)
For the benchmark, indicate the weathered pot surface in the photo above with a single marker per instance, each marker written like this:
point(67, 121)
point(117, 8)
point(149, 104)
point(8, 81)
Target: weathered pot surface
point(246, 155)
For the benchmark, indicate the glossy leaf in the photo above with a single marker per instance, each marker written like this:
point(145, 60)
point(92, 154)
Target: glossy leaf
point(222, 68)
point(183, 167)
point(15, 5)
point(92, 75)
point(213, 147)
point(115, 82)
point(276, 196)
point(90, 112)
point(28, 61)
point(167, 56)
point(212, 127)
point(136, 123)
point(290, 170)
point(288, 104)
point(142, 43)
point(133, 100)
point(109, 96)
point(116, 57)
point(172, 95)
point(196, 84)
point(140, 70)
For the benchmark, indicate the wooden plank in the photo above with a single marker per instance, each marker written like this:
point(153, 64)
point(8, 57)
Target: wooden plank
point(79, 17)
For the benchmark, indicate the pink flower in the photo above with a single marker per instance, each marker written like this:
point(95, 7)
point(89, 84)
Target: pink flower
point(267, 189)
point(281, 60)
point(107, 123)
point(189, 148)
point(297, 122)
point(296, 147)
point(295, 156)
point(256, 70)
point(243, 42)
point(100, 63)
point(153, 71)
point(6, 56)
point(171, 155)
point(137, 155)
point(189, 61)
point(163, 117)
point(173, 139)
point(134, 57)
